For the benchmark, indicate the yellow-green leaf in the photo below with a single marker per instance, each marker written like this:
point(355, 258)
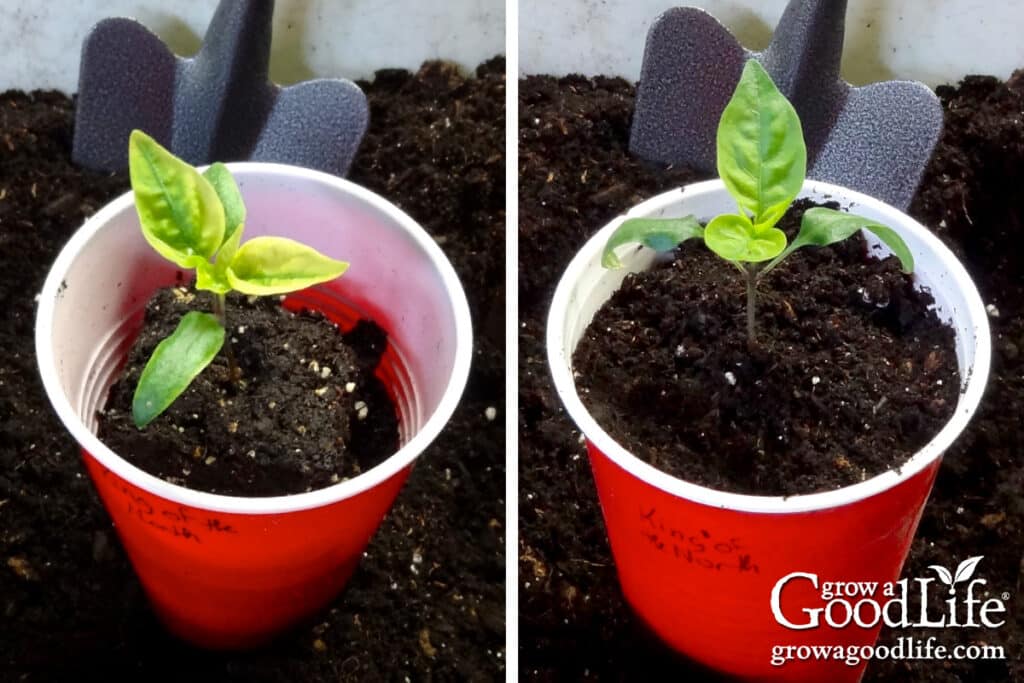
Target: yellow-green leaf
point(212, 278)
point(182, 218)
point(228, 250)
point(762, 158)
point(174, 364)
point(734, 238)
point(226, 188)
point(277, 265)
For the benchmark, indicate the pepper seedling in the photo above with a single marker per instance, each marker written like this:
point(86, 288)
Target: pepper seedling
point(195, 220)
point(762, 160)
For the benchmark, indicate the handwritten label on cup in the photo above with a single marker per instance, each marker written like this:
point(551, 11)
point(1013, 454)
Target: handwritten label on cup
point(699, 547)
point(174, 520)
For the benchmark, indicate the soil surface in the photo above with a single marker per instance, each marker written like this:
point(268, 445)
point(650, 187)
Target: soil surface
point(575, 175)
point(427, 602)
point(858, 372)
point(304, 412)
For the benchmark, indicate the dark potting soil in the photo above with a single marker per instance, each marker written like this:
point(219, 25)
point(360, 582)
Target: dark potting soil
point(576, 175)
point(305, 411)
point(427, 601)
point(850, 375)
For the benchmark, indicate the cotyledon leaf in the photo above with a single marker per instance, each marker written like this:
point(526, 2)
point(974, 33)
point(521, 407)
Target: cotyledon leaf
point(175, 363)
point(822, 226)
point(660, 234)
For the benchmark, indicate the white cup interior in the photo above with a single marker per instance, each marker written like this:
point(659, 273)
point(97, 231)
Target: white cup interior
point(92, 303)
point(587, 285)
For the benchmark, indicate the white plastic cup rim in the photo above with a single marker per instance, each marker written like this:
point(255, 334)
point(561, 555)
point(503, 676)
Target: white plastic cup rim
point(403, 457)
point(971, 390)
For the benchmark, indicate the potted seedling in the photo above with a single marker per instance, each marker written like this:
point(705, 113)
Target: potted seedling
point(221, 353)
point(722, 388)
point(196, 222)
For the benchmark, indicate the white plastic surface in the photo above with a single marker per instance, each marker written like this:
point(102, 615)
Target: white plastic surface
point(40, 42)
point(586, 285)
point(934, 41)
point(94, 294)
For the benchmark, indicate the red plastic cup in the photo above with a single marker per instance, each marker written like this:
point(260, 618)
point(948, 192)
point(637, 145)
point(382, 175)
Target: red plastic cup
point(227, 571)
point(699, 565)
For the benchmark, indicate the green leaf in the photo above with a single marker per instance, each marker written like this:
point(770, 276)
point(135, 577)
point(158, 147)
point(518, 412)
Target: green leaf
point(734, 238)
point(762, 158)
point(174, 364)
point(821, 226)
point(181, 215)
point(276, 265)
point(660, 234)
point(224, 185)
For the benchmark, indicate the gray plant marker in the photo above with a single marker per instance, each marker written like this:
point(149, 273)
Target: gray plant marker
point(876, 139)
point(217, 106)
